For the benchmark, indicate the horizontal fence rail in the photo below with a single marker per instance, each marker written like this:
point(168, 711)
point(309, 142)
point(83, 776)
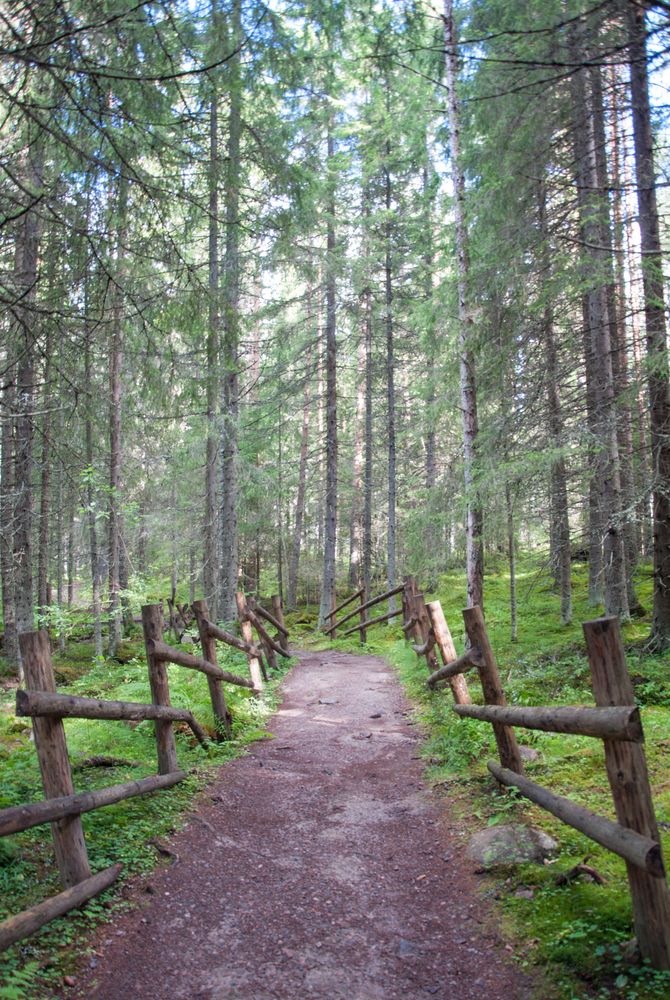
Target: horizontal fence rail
point(615, 719)
point(62, 806)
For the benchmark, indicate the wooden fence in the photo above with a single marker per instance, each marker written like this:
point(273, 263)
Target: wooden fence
point(615, 720)
point(62, 807)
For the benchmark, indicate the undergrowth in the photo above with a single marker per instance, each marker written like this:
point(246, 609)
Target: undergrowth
point(126, 832)
point(577, 932)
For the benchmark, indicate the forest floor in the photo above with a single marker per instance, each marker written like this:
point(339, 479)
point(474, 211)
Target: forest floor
point(319, 865)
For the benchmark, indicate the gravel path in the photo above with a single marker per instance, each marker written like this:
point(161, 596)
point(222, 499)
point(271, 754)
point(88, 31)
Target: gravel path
point(319, 867)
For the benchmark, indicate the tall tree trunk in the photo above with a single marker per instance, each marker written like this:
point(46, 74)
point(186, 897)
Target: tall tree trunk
point(45, 477)
point(231, 324)
point(620, 412)
point(597, 269)
point(559, 493)
point(330, 514)
point(390, 382)
point(356, 525)
point(10, 647)
point(91, 505)
point(431, 457)
point(475, 517)
point(367, 470)
point(210, 568)
point(654, 311)
point(302, 466)
point(115, 402)
point(25, 317)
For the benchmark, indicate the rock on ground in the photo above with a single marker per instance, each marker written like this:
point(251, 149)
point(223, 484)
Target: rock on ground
point(510, 844)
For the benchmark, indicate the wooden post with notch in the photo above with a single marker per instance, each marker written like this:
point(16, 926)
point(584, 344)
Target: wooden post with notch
point(629, 781)
point(51, 746)
point(278, 612)
point(458, 684)
point(222, 716)
point(247, 635)
point(508, 748)
point(152, 623)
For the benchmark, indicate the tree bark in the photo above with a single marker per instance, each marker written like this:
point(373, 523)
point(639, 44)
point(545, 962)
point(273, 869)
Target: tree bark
point(597, 272)
point(302, 466)
point(115, 402)
point(330, 514)
point(229, 569)
point(390, 379)
point(10, 646)
point(210, 564)
point(25, 319)
point(654, 311)
point(475, 517)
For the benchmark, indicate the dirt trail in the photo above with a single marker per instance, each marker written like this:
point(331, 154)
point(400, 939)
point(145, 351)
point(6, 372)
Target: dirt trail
point(318, 867)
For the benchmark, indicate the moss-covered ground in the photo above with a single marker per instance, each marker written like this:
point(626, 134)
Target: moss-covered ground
point(577, 931)
point(126, 832)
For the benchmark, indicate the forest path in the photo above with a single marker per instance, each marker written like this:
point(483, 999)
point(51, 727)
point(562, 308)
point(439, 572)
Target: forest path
point(318, 866)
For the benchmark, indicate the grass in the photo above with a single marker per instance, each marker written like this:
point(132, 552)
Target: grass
point(579, 931)
point(120, 833)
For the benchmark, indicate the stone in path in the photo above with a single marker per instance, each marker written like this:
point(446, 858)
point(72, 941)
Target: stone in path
point(313, 870)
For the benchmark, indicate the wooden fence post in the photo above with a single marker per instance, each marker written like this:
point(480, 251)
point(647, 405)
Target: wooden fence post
point(152, 623)
point(458, 684)
point(278, 612)
point(629, 782)
point(508, 749)
point(51, 747)
point(247, 635)
point(362, 631)
point(423, 628)
point(221, 711)
point(331, 619)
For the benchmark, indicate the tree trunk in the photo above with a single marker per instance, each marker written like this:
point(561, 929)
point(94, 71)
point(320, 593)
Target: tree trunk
point(25, 317)
point(302, 467)
point(559, 494)
point(654, 311)
point(367, 472)
point(10, 647)
point(597, 271)
point(330, 515)
point(115, 401)
point(475, 517)
point(231, 326)
point(210, 566)
point(390, 386)
point(356, 521)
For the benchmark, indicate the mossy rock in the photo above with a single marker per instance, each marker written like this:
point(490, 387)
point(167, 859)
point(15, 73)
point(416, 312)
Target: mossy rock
point(126, 651)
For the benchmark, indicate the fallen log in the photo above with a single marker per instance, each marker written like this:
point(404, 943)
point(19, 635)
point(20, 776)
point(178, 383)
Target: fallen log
point(167, 653)
point(24, 924)
point(641, 851)
point(470, 658)
point(17, 818)
point(608, 723)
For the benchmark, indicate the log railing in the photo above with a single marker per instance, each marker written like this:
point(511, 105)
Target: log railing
point(360, 610)
point(62, 806)
point(615, 720)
